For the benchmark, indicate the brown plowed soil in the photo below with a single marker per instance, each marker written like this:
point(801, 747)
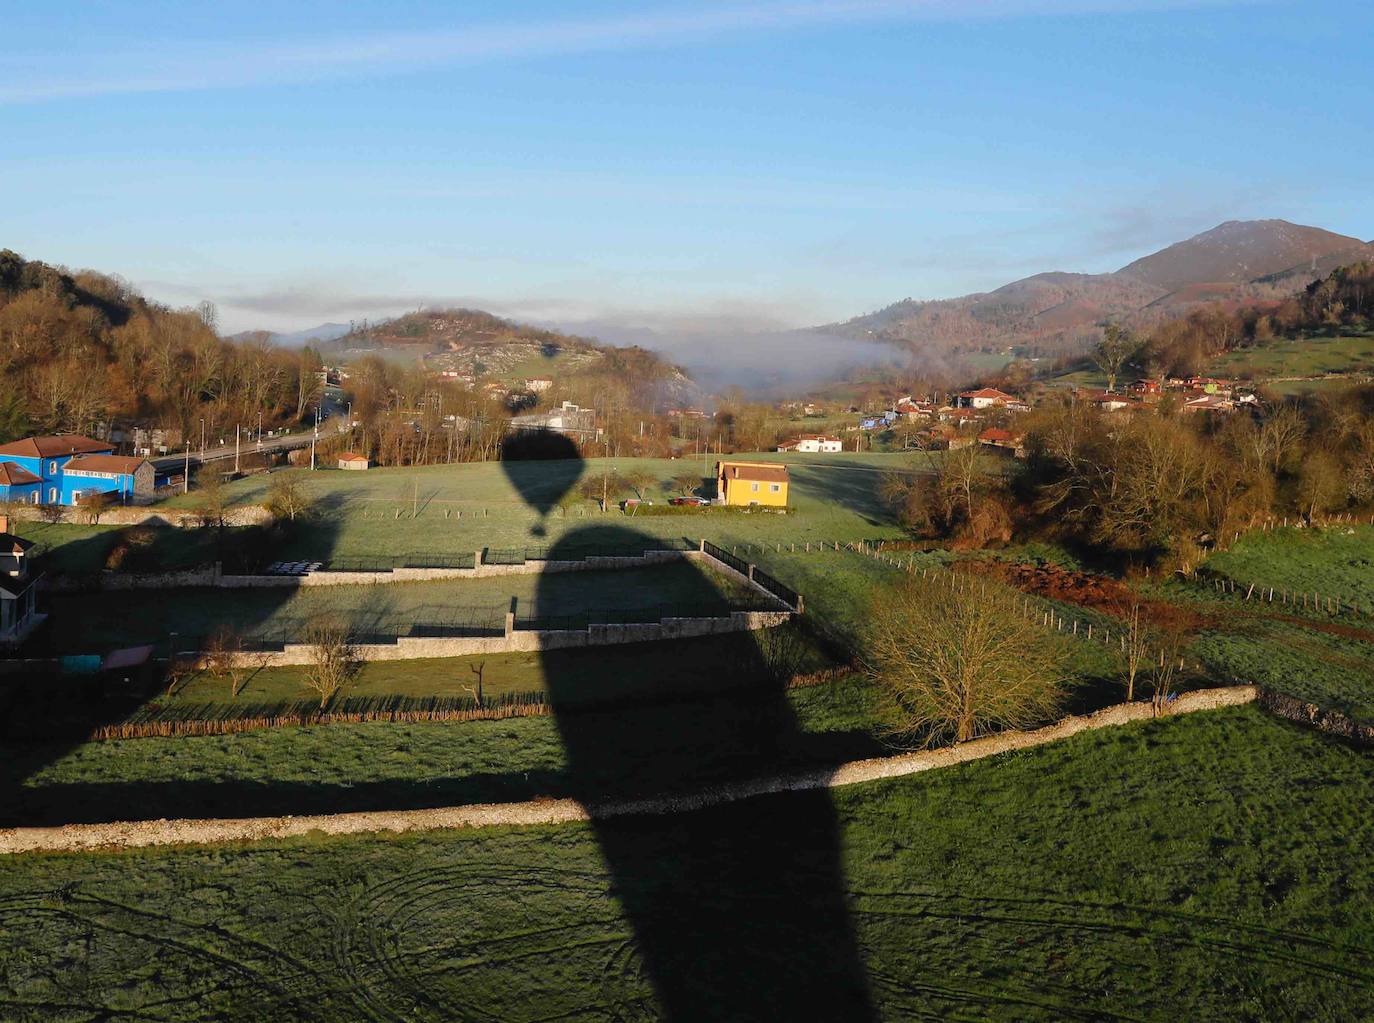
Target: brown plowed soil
point(1097, 592)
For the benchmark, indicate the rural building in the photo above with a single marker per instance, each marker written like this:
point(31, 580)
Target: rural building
point(349, 460)
point(18, 616)
point(1209, 403)
point(812, 443)
point(746, 483)
point(1106, 401)
point(987, 397)
point(1146, 388)
point(538, 385)
point(65, 469)
point(567, 418)
point(1004, 440)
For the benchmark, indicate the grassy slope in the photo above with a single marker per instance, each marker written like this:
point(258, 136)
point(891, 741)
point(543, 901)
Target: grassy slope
point(1202, 868)
point(383, 765)
point(456, 509)
point(1308, 356)
point(1336, 562)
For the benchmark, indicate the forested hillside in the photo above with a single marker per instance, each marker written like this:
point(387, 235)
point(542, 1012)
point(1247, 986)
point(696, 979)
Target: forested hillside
point(84, 352)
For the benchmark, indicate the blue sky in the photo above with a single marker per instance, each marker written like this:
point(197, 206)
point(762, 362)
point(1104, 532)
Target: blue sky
point(753, 163)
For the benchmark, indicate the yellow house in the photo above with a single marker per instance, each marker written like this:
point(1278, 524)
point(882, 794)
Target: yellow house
point(746, 483)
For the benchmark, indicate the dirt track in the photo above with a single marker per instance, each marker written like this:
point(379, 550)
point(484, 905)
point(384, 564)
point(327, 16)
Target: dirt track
point(136, 834)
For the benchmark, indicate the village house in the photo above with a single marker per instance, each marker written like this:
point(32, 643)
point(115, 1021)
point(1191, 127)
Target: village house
point(1004, 440)
point(69, 468)
point(1209, 403)
point(568, 418)
point(18, 616)
point(987, 397)
point(1109, 401)
point(1143, 388)
point(750, 483)
point(812, 443)
point(353, 461)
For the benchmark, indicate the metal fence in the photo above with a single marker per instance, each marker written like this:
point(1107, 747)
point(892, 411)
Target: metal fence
point(725, 557)
point(581, 552)
point(783, 592)
point(533, 620)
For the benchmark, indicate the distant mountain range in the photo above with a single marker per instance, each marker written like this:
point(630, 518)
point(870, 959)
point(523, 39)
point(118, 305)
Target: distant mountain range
point(1237, 261)
point(296, 338)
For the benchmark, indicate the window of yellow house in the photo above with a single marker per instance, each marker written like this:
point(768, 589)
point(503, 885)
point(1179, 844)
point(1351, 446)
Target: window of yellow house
point(754, 487)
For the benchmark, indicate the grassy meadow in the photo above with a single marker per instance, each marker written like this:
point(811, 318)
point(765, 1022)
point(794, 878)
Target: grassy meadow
point(1208, 867)
point(554, 600)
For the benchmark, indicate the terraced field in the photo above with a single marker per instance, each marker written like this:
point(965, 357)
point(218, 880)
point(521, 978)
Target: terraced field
point(1049, 884)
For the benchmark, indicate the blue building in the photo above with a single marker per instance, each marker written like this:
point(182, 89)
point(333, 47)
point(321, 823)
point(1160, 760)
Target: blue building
point(66, 469)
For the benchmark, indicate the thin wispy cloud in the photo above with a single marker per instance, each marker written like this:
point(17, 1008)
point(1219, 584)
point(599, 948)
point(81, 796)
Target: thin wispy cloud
point(189, 65)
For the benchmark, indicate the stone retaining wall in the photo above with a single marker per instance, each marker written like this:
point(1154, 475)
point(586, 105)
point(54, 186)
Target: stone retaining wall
point(138, 834)
point(522, 641)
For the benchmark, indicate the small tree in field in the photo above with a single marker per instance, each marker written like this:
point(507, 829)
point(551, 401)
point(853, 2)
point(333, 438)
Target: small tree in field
point(52, 513)
point(687, 483)
point(286, 497)
point(640, 482)
point(95, 506)
point(1135, 650)
point(212, 500)
point(1118, 347)
point(333, 660)
point(223, 659)
point(958, 662)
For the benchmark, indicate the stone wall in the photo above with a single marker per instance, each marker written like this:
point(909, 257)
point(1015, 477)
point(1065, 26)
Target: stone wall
point(521, 641)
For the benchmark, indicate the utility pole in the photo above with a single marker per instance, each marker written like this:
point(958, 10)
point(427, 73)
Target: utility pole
point(186, 472)
point(312, 454)
point(202, 440)
point(236, 449)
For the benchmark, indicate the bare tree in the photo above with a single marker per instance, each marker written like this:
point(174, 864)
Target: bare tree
point(1135, 650)
point(957, 662)
point(223, 659)
point(477, 669)
point(95, 506)
point(687, 483)
point(333, 658)
point(212, 500)
point(1165, 669)
point(1118, 346)
point(287, 497)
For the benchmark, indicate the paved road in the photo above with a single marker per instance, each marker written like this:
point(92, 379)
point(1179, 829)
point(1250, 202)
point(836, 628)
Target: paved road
point(284, 442)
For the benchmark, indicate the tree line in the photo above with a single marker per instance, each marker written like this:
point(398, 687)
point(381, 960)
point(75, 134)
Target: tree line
point(83, 352)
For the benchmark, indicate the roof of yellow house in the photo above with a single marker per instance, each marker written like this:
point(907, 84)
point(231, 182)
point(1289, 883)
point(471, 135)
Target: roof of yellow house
point(761, 472)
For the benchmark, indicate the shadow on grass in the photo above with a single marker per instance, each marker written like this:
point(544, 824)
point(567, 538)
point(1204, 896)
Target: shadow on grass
point(66, 709)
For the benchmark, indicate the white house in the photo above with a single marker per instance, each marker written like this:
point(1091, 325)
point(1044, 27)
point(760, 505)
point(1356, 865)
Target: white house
point(813, 443)
point(986, 397)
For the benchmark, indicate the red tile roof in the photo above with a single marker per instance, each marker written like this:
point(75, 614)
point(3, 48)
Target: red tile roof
point(755, 472)
point(988, 392)
point(14, 475)
point(124, 465)
point(351, 456)
point(55, 447)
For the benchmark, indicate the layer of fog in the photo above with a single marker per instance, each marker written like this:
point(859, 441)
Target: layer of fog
point(721, 353)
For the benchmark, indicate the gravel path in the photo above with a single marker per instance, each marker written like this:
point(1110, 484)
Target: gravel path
point(137, 834)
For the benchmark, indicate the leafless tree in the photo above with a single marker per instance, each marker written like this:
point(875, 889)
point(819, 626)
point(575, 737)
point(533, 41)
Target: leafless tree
point(1135, 650)
point(287, 497)
point(959, 662)
point(223, 659)
point(477, 669)
point(333, 658)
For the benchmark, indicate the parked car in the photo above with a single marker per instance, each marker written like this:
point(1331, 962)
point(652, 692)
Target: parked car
point(694, 502)
point(630, 504)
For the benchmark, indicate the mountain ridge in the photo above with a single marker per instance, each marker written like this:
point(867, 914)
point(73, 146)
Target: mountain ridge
point(1056, 311)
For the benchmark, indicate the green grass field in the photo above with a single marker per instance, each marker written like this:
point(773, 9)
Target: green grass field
point(674, 743)
point(1308, 356)
point(1212, 867)
point(1334, 562)
point(148, 616)
point(456, 509)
